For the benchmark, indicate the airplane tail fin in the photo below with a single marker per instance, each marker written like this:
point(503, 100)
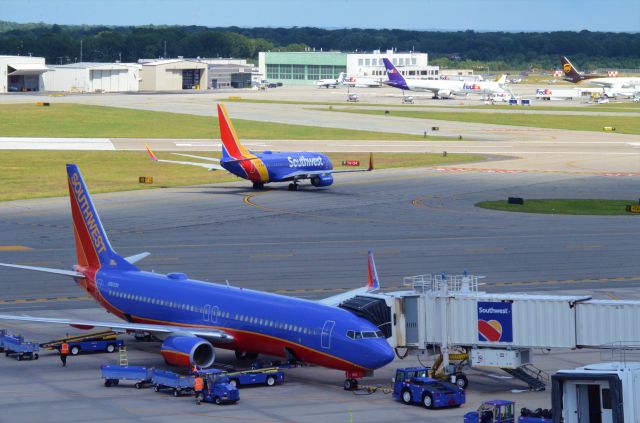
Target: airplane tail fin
point(570, 72)
point(373, 281)
point(341, 78)
point(231, 147)
point(502, 80)
point(92, 245)
point(392, 73)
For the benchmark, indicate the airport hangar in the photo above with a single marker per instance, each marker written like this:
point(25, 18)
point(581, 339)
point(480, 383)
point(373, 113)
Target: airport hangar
point(305, 68)
point(21, 73)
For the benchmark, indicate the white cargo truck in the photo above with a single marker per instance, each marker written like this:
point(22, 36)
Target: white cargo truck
point(597, 393)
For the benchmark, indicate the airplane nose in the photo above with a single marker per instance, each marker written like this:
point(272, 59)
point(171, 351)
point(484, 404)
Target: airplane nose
point(382, 354)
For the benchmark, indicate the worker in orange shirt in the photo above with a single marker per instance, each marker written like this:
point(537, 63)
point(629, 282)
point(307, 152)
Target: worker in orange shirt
point(198, 387)
point(64, 352)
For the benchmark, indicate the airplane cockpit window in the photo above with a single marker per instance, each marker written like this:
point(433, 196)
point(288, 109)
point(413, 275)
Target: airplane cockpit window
point(364, 334)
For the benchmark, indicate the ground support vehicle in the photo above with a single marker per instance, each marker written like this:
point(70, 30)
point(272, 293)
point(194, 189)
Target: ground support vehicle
point(217, 388)
point(268, 376)
point(81, 347)
point(607, 392)
point(113, 374)
point(179, 384)
point(17, 347)
point(412, 385)
point(103, 335)
point(503, 411)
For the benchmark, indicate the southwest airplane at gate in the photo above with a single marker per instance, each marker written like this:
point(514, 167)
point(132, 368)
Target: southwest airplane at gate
point(265, 167)
point(193, 317)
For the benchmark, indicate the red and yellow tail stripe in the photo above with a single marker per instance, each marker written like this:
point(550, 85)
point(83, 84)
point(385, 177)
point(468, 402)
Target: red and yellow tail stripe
point(254, 167)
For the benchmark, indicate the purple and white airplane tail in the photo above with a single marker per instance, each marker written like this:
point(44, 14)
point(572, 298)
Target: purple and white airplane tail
point(395, 78)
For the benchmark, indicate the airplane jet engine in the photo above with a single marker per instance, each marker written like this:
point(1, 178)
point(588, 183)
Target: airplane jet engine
point(445, 94)
point(322, 181)
point(187, 350)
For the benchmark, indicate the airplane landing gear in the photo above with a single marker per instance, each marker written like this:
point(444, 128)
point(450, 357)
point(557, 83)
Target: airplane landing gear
point(293, 187)
point(258, 185)
point(245, 355)
point(350, 384)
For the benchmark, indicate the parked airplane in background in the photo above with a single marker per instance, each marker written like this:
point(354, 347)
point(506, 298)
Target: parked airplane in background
point(612, 85)
point(364, 81)
point(331, 82)
point(191, 317)
point(265, 167)
point(442, 88)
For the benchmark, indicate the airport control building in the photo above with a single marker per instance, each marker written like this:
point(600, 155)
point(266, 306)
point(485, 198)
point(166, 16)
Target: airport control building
point(305, 68)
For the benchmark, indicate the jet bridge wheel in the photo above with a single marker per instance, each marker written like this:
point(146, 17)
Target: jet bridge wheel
point(461, 381)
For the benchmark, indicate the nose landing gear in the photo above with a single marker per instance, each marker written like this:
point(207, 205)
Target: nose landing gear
point(293, 187)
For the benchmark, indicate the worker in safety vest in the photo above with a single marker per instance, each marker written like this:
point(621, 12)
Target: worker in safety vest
point(198, 387)
point(64, 352)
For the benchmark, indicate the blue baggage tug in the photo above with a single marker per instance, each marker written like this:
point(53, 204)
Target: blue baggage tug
point(413, 386)
point(17, 347)
point(217, 388)
point(113, 374)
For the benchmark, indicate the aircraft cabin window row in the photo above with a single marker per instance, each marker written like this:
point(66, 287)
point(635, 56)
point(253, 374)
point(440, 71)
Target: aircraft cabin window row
point(222, 314)
point(354, 334)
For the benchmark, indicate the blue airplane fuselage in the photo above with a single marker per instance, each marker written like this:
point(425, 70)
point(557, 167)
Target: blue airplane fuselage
point(278, 166)
point(258, 321)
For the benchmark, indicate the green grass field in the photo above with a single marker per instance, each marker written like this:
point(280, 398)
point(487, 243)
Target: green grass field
point(34, 174)
point(623, 124)
point(74, 120)
point(563, 206)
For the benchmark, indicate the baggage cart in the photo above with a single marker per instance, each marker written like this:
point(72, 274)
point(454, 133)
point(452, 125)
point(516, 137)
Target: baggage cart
point(267, 376)
point(17, 347)
point(179, 384)
point(113, 374)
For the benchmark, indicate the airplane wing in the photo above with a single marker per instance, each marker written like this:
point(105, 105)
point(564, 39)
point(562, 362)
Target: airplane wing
point(208, 166)
point(45, 269)
point(213, 334)
point(308, 174)
point(212, 159)
point(373, 285)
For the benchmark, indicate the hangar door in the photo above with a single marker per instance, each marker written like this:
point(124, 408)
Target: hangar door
point(108, 80)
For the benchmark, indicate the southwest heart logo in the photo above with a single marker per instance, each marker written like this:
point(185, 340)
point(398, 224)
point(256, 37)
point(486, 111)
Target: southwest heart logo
point(490, 330)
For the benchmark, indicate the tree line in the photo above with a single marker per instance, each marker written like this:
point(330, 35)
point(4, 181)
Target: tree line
point(496, 50)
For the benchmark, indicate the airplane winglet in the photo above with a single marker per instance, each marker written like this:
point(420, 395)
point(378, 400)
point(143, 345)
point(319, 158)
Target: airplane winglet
point(373, 282)
point(153, 156)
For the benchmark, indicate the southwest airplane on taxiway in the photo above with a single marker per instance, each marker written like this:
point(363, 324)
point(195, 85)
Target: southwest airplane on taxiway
point(265, 167)
point(191, 317)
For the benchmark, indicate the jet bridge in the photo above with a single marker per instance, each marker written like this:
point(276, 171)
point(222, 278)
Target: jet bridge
point(450, 317)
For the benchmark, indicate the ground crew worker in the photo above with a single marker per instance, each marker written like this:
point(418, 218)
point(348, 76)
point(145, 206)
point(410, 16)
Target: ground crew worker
point(198, 387)
point(64, 352)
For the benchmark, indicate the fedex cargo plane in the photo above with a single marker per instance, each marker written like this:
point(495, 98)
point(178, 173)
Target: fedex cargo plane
point(192, 317)
point(442, 88)
point(265, 167)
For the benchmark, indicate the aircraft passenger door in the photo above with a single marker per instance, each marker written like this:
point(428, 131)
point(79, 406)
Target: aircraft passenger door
point(215, 310)
point(325, 335)
point(205, 313)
